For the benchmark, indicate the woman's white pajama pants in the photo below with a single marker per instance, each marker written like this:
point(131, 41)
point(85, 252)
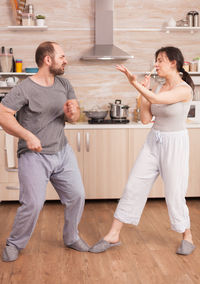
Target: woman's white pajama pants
point(167, 154)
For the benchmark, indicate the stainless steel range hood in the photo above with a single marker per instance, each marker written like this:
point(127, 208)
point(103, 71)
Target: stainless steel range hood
point(104, 48)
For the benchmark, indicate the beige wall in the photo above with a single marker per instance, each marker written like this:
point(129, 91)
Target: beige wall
point(71, 23)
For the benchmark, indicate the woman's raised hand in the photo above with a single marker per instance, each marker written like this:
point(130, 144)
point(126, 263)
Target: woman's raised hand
point(131, 77)
point(146, 81)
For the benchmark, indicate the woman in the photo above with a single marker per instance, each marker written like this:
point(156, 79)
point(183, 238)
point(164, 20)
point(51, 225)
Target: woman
point(165, 152)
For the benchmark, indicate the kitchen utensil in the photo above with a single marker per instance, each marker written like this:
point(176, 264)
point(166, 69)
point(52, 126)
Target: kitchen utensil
point(6, 62)
point(196, 19)
point(96, 114)
point(190, 18)
point(108, 121)
point(193, 18)
point(151, 72)
point(118, 110)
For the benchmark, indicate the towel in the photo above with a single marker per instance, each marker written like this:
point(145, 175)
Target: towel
point(9, 146)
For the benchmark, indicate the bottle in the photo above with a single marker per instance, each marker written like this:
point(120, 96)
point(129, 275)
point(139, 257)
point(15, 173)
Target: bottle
point(3, 50)
point(1, 58)
point(18, 65)
point(30, 9)
point(13, 60)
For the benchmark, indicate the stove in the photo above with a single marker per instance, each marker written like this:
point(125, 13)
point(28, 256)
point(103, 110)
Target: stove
point(108, 121)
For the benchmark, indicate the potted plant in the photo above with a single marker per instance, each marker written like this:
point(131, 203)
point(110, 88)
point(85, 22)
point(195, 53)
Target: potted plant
point(40, 20)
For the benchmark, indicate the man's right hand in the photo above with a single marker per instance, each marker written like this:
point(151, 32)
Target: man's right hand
point(33, 143)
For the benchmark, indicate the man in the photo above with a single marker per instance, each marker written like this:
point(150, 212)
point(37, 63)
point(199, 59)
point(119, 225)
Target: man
point(42, 103)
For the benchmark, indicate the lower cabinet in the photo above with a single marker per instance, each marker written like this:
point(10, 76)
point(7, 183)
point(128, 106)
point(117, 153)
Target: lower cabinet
point(137, 137)
point(194, 166)
point(105, 158)
point(9, 185)
point(102, 155)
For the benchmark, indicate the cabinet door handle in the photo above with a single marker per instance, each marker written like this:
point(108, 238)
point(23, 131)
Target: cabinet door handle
point(12, 169)
point(12, 187)
point(87, 142)
point(79, 142)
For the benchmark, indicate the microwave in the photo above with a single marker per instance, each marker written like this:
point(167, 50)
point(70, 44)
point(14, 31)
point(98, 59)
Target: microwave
point(194, 112)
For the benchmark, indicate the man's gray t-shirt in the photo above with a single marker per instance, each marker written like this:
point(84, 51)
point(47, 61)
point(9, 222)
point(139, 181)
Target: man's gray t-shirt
point(40, 110)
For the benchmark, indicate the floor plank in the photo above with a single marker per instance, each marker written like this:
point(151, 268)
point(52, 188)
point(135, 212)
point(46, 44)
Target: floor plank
point(147, 254)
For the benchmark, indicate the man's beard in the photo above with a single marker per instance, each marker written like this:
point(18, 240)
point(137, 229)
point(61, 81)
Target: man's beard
point(56, 71)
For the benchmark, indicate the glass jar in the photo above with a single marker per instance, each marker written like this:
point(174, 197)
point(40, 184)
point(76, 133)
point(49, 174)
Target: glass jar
point(27, 19)
point(18, 65)
point(193, 66)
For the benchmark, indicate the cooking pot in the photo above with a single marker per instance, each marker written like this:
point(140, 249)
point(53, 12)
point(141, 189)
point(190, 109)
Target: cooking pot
point(96, 114)
point(118, 110)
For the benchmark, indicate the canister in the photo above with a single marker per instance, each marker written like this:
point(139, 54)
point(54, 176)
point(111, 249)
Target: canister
point(18, 65)
point(196, 19)
point(197, 60)
point(193, 66)
point(190, 18)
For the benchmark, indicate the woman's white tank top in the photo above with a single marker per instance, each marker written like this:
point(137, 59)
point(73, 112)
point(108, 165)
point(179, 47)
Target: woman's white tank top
point(170, 117)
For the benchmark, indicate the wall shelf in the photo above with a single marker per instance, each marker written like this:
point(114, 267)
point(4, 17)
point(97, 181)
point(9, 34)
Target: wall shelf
point(15, 74)
point(156, 29)
point(182, 29)
point(27, 28)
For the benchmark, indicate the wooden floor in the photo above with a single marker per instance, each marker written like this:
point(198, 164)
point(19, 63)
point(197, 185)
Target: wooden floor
point(147, 254)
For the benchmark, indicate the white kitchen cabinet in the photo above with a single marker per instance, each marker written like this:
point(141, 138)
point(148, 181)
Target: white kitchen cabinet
point(194, 175)
point(102, 155)
point(9, 185)
point(105, 158)
point(137, 138)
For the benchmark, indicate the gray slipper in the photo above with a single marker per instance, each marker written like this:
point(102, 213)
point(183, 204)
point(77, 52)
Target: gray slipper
point(185, 248)
point(10, 253)
point(79, 245)
point(102, 245)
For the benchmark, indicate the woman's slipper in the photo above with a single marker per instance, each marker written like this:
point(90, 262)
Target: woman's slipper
point(102, 245)
point(185, 248)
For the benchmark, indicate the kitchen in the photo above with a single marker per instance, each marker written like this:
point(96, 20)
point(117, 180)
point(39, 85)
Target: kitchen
point(138, 30)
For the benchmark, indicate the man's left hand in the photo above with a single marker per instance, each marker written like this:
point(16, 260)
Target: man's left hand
point(72, 110)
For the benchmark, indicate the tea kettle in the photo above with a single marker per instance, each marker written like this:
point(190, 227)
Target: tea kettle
point(118, 110)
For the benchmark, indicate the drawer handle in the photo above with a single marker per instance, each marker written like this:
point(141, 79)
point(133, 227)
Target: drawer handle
point(12, 187)
point(12, 170)
point(79, 142)
point(87, 142)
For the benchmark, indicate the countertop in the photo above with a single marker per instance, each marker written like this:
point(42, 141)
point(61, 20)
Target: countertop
point(85, 125)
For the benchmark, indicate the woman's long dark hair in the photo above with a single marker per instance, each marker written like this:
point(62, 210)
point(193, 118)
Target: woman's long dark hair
point(173, 53)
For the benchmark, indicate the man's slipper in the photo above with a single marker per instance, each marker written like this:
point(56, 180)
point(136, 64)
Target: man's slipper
point(103, 245)
point(79, 245)
point(185, 248)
